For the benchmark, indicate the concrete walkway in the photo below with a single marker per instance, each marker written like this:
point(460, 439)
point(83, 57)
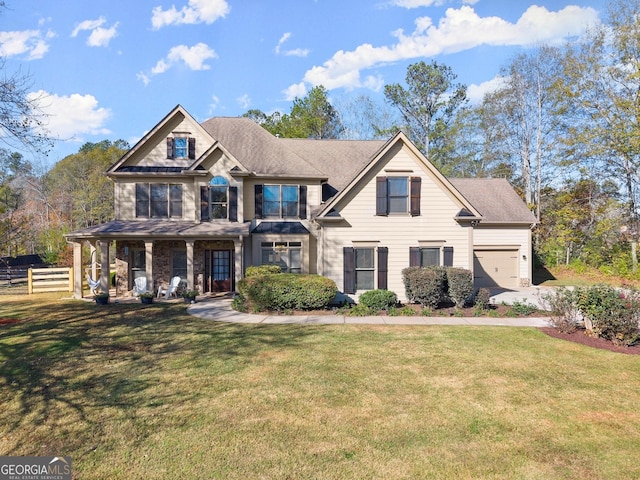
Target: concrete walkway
point(219, 309)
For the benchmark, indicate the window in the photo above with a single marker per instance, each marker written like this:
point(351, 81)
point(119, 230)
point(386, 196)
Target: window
point(179, 264)
point(286, 254)
point(218, 197)
point(397, 198)
point(158, 200)
point(428, 256)
point(398, 195)
point(364, 268)
point(360, 268)
point(281, 201)
point(219, 200)
point(181, 147)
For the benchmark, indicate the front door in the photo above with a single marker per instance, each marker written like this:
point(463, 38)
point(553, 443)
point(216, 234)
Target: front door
point(218, 271)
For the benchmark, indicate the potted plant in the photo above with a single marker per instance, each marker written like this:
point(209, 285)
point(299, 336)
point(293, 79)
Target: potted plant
point(190, 296)
point(101, 298)
point(146, 297)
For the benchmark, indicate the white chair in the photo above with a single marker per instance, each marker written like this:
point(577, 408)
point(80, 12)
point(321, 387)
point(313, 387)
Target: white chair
point(140, 286)
point(171, 290)
point(94, 285)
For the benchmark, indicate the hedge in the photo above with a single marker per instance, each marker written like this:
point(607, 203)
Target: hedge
point(288, 291)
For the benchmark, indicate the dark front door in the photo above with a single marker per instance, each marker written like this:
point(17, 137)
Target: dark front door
point(218, 271)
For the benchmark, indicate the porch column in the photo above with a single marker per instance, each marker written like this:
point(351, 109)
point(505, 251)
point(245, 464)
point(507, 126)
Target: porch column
point(190, 282)
point(104, 266)
point(78, 274)
point(237, 244)
point(148, 262)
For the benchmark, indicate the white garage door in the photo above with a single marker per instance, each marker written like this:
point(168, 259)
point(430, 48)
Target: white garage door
point(495, 268)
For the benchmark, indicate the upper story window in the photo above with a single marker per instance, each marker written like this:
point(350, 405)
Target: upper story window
point(396, 195)
point(181, 147)
point(281, 201)
point(158, 200)
point(219, 200)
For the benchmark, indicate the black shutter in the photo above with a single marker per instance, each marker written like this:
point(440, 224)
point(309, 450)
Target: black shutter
point(233, 204)
point(448, 256)
point(170, 148)
point(192, 148)
point(381, 196)
point(414, 256)
point(258, 201)
point(204, 204)
point(349, 262)
point(302, 205)
point(416, 184)
point(383, 257)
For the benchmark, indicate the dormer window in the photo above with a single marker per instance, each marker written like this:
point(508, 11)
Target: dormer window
point(219, 201)
point(181, 147)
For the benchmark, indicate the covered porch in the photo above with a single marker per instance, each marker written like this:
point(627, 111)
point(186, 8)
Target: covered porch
point(207, 257)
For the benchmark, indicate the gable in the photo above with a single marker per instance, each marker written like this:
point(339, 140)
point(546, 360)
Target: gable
point(398, 157)
point(157, 151)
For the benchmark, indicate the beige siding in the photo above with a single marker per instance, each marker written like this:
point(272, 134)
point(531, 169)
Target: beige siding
point(505, 238)
point(396, 232)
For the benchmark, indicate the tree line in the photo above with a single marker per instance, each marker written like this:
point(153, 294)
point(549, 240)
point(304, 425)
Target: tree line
point(562, 127)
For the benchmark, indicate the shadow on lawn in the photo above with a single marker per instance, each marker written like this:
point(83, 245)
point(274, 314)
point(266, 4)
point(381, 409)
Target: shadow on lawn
point(68, 360)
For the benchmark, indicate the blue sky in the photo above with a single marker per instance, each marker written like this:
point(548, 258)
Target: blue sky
point(111, 69)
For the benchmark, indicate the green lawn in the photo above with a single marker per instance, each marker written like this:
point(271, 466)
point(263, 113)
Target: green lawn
point(131, 391)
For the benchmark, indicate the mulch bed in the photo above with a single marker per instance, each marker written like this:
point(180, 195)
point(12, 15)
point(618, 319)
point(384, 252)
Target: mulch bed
point(8, 321)
point(581, 337)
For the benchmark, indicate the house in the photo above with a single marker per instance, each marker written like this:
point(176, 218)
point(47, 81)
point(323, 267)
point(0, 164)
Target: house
point(206, 200)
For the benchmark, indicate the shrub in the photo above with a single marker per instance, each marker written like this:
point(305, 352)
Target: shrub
point(378, 300)
point(288, 291)
point(563, 312)
point(612, 314)
point(425, 286)
point(259, 270)
point(460, 285)
point(483, 299)
point(359, 310)
point(523, 308)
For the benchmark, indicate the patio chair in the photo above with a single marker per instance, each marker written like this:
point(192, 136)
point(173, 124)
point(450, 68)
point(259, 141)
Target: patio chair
point(171, 290)
point(94, 285)
point(140, 286)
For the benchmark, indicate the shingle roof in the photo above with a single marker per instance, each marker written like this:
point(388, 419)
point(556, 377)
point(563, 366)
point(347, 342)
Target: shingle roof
point(339, 160)
point(162, 228)
point(495, 199)
point(257, 149)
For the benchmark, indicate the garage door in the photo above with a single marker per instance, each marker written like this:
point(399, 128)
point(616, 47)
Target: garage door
point(495, 268)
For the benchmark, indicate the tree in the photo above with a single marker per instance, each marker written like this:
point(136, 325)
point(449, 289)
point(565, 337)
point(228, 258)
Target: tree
point(600, 93)
point(312, 116)
point(364, 119)
point(523, 111)
point(427, 106)
point(13, 173)
point(79, 190)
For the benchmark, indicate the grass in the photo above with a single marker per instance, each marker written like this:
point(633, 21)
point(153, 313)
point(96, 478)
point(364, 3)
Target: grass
point(146, 391)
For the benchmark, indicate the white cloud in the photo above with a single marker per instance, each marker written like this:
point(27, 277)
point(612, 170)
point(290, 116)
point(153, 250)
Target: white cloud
point(460, 29)
point(475, 93)
point(193, 57)
point(296, 52)
point(198, 11)
point(215, 101)
point(30, 42)
point(244, 101)
point(295, 90)
point(99, 36)
point(70, 117)
point(415, 3)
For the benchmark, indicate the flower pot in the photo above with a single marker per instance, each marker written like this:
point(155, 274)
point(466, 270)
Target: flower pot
point(102, 300)
point(189, 299)
point(146, 300)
